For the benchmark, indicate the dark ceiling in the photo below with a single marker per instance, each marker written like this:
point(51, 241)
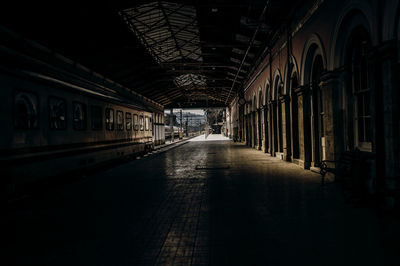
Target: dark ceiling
point(99, 36)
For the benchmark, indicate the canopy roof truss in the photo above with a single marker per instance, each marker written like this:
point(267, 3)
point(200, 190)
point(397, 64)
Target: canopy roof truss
point(168, 30)
point(180, 53)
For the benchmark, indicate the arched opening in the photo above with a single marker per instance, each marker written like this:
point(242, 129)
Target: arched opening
point(358, 93)
point(275, 115)
point(279, 114)
point(266, 119)
point(312, 129)
point(317, 109)
point(247, 119)
point(295, 116)
point(254, 123)
point(260, 119)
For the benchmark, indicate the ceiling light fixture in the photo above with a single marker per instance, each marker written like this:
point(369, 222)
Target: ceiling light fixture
point(214, 10)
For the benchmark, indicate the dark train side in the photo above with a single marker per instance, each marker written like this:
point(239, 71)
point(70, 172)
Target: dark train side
point(58, 120)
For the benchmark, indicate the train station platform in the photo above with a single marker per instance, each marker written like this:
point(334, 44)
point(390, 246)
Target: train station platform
point(209, 202)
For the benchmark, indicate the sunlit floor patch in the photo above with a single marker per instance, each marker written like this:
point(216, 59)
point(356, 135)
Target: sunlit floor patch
point(211, 137)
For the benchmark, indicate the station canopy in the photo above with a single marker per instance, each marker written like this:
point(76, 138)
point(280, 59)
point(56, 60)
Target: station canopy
point(190, 53)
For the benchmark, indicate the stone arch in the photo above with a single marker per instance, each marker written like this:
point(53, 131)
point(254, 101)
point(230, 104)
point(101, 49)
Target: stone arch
point(312, 48)
point(294, 105)
point(355, 14)
point(267, 92)
point(289, 71)
point(313, 63)
point(277, 112)
point(357, 135)
point(356, 21)
point(260, 98)
point(267, 115)
point(260, 117)
point(276, 84)
point(254, 121)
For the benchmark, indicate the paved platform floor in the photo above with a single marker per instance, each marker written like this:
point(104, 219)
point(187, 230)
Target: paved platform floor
point(202, 203)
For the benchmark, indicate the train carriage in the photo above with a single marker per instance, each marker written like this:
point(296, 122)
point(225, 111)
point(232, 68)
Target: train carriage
point(55, 121)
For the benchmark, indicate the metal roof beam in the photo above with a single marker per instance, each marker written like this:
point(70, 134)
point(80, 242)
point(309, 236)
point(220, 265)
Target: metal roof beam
point(170, 28)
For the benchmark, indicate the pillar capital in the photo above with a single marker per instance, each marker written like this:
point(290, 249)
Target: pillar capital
point(330, 77)
point(284, 98)
point(301, 90)
point(385, 51)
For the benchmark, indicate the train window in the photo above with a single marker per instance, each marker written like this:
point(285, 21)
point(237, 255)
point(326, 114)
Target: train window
point(135, 122)
point(146, 123)
point(26, 111)
point(151, 124)
point(109, 119)
point(97, 119)
point(57, 113)
point(79, 115)
point(120, 120)
point(141, 122)
point(128, 118)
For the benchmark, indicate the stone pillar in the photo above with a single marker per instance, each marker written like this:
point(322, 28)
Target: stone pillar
point(254, 133)
point(171, 124)
point(284, 101)
point(304, 127)
point(273, 126)
point(259, 130)
point(245, 131)
point(248, 130)
point(264, 129)
point(388, 159)
point(332, 144)
point(251, 129)
point(269, 128)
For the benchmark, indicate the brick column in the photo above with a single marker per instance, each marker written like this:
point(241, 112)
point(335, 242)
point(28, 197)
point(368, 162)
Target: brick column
point(284, 101)
point(387, 121)
point(304, 126)
point(269, 128)
point(264, 129)
point(273, 127)
point(332, 143)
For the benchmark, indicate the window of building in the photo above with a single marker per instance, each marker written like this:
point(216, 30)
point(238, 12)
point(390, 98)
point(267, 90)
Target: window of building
point(128, 118)
point(136, 122)
point(109, 119)
point(361, 94)
point(146, 123)
point(79, 116)
point(26, 110)
point(360, 91)
point(97, 119)
point(141, 122)
point(57, 113)
point(151, 124)
point(120, 120)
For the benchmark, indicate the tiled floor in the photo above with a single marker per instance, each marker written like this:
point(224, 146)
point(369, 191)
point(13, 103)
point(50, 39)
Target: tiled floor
point(204, 202)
